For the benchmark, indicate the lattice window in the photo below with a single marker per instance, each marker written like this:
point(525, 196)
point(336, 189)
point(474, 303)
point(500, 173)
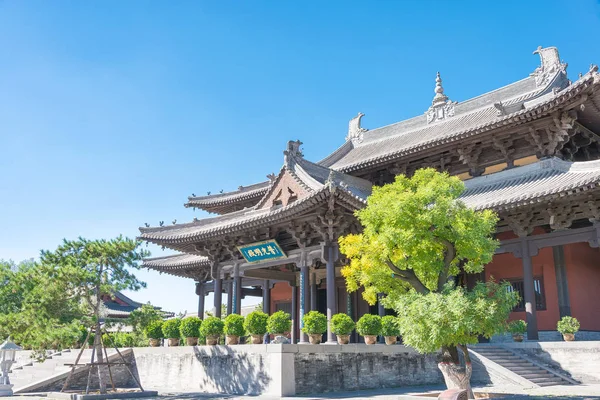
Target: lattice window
point(538, 287)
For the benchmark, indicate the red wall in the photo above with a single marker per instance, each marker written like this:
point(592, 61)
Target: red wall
point(281, 292)
point(583, 277)
point(506, 266)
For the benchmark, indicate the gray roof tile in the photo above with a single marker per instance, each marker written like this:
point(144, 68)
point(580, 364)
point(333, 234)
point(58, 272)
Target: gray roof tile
point(535, 182)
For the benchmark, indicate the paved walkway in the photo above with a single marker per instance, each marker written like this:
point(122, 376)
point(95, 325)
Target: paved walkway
point(574, 392)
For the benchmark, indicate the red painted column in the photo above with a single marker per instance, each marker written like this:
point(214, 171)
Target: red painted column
point(529, 291)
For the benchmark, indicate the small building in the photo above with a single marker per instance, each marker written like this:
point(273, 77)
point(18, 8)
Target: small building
point(120, 306)
point(529, 150)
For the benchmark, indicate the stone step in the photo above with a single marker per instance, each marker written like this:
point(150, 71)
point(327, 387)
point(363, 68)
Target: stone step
point(558, 383)
point(550, 378)
point(526, 369)
point(503, 357)
point(496, 354)
point(531, 376)
point(511, 361)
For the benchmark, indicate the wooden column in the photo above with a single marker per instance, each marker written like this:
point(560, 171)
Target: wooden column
point(294, 335)
point(201, 297)
point(304, 294)
point(266, 297)
point(330, 254)
point(229, 291)
point(529, 291)
point(562, 286)
point(218, 296)
point(313, 292)
point(237, 290)
point(381, 313)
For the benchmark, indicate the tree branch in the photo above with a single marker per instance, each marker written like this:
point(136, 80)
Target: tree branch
point(450, 253)
point(408, 275)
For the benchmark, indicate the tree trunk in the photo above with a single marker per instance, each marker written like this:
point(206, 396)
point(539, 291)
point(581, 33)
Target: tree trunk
point(100, 354)
point(455, 375)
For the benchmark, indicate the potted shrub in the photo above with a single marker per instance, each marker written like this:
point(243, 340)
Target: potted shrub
point(315, 325)
point(154, 333)
point(279, 323)
point(568, 326)
point(390, 329)
point(369, 326)
point(190, 330)
point(171, 331)
point(518, 329)
point(342, 326)
point(212, 329)
point(234, 328)
point(256, 325)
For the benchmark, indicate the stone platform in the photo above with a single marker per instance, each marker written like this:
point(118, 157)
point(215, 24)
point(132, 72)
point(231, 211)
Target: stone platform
point(283, 369)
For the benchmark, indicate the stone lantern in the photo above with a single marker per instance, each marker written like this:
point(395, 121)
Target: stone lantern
point(8, 352)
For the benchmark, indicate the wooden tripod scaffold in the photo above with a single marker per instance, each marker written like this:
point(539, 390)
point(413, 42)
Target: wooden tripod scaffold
point(95, 364)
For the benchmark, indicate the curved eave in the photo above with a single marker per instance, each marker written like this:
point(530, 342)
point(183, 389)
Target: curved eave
point(182, 265)
point(570, 94)
point(167, 236)
point(223, 203)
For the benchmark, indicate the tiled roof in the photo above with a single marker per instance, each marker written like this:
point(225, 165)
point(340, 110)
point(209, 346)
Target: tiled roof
point(319, 181)
point(222, 201)
point(415, 135)
point(177, 261)
point(531, 183)
point(499, 191)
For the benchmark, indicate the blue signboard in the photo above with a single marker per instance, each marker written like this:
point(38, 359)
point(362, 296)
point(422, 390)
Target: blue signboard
point(262, 251)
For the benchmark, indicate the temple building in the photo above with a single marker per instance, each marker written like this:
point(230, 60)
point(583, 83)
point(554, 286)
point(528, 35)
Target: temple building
point(529, 150)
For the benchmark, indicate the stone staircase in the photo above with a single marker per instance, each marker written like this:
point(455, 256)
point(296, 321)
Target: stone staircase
point(520, 366)
point(28, 373)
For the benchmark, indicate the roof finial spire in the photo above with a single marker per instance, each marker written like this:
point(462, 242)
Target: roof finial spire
point(439, 97)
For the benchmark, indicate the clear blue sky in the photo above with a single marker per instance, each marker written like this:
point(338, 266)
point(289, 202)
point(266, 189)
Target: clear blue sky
point(113, 112)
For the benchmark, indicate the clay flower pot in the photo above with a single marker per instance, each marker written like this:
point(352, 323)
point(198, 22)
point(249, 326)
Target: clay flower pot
point(154, 342)
point(212, 340)
point(315, 338)
point(191, 341)
point(569, 337)
point(173, 342)
point(257, 339)
point(343, 339)
point(232, 339)
point(517, 337)
point(370, 339)
point(389, 340)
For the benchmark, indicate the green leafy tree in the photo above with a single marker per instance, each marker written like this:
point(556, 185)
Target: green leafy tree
point(140, 318)
point(37, 311)
point(92, 269)
point(416, 237)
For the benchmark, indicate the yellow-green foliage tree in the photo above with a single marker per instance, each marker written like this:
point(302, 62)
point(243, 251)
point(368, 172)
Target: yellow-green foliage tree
point(416, 237)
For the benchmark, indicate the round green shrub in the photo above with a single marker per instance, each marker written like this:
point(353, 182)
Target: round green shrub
point(314, 323)
point(517, 327)
point(171, 328)
point(234, 325)
point(279, 322)
point(256, 323)
point(369, 324)
point(568, 325)
point(154, 330)
point(190, 327)
point(212, 326)
point(342, 324)
point(120, 339)
point(390, 326)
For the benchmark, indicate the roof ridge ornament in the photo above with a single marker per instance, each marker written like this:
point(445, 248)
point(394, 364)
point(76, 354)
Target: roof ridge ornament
point(355, 131)
point(441, 107)
point(550, 65)
point(292, 151)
